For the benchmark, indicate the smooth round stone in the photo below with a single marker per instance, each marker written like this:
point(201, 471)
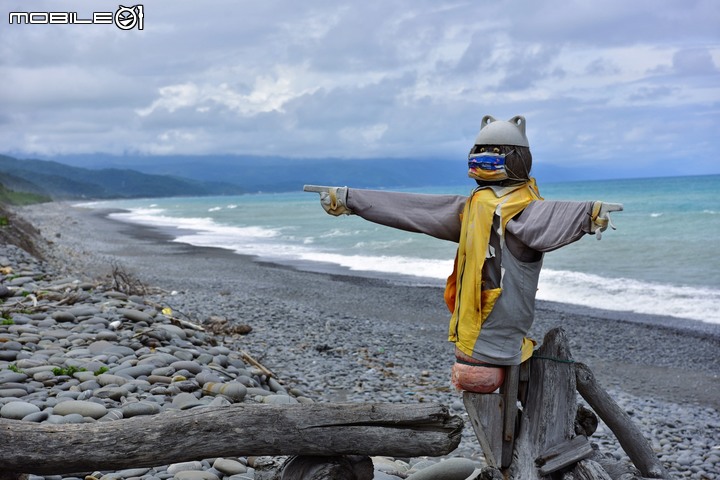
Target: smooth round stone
point(63, 317)
point(44, 376)
point(279, 400)
point(173, 330)
point(18, 410)
point(107, 335)
point(135, 315)
point(90, 385)
point(140, 408)
point(184, 467)
point(275, 386)
point(72, 394)
point(8, 355)
point(256, 391)
point(136, 371)
point(73, 418)
point(113, 393)
point(183, 355)
point(36, 417)
point(99, 347)
point(380, 475)
point(184, 401)
point(84, 408)
point(195, 475)
point(84, 311)
point(155, 379)
point(8, 376)
point(229, 467)
point(114, 414)
point(208, 377)
point(233, 390)
point(84, 376)
point(120, 350)
point(190, 366)
point(31, 363)
point(12, 392)
point(204, 359)
point(55, 419)
point(10, 346)
point(163, 371)
point(106, 379)
point(450, 469)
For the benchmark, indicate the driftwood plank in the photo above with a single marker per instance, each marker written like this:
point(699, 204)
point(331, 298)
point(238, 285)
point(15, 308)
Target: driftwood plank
point(549, 413)
point(631, 439)
point(588, 470)
point(510, 397)
point(564, 455)
point(486, 416)
point(236, 430)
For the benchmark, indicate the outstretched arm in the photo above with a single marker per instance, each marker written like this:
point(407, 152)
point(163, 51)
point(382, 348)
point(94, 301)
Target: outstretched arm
point(548, 225)
point(434, 215)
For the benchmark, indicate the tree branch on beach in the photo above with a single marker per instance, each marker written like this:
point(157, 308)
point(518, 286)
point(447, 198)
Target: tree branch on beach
point(124, 282)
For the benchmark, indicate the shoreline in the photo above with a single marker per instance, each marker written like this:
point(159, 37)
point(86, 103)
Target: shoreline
point(617, 345)
point(168, 234)
point(340, 338)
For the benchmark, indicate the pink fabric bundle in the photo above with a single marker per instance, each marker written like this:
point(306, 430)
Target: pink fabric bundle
point(476, 378)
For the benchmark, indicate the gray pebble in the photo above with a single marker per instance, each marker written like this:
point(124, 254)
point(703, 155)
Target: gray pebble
point(450, 469)
point(18, 410)
point(83, 408)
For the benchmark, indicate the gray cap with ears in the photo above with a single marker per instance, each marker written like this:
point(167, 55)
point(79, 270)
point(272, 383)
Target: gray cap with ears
point(497, 132)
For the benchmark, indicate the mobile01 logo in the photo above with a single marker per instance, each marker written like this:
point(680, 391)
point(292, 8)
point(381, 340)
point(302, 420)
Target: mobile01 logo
point(124, 18)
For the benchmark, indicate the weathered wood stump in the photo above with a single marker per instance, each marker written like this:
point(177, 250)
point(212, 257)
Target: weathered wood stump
point(631, 439)
point(549, 413)
point(548, 440)
point(235, 430)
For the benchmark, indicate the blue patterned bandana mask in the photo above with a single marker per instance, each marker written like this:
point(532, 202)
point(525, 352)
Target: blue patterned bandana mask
point(487, 166)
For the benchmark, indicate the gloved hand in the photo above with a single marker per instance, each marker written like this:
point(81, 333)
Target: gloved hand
point(332, 199)
point(600, 217)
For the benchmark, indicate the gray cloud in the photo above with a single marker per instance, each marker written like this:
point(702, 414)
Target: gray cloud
point(313, 79)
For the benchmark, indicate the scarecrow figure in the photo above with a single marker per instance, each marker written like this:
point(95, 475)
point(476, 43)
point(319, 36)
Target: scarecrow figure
point(503, 229)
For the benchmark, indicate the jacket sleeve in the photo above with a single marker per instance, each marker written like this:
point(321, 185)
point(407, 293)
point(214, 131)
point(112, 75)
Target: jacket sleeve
point(548, 225)
point(434, 215)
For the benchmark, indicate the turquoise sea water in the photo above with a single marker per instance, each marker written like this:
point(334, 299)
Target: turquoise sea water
point(662, 259)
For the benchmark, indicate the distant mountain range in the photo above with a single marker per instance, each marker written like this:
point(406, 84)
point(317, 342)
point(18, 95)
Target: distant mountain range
point(134, 176)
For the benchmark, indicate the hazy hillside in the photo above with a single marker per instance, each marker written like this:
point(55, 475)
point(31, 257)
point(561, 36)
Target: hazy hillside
point(107, 176)
point(61, 181)
point(254, 173)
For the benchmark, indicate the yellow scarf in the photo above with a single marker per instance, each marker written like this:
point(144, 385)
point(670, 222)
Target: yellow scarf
point(465, 295)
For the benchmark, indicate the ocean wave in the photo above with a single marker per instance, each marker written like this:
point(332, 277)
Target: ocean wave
point(622, 294)
point(202, 226)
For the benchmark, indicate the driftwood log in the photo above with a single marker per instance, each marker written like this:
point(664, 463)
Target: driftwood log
point(629, 436)
point(549, 440)
point(236, 430)
point(549, 414)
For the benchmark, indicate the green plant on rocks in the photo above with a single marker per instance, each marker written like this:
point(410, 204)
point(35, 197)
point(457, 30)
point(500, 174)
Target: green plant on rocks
point(69, 371)
point(14, 368)
point(101, 370)
point(7, 321)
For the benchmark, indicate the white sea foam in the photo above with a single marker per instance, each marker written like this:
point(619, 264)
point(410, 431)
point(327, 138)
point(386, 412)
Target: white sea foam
point(205, 228)
point(355, 249)
point(622, 294)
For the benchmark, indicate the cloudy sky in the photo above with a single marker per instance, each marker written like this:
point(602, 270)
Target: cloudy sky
point(628, 84)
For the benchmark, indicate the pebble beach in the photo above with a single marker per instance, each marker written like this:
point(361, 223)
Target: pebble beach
point(74, 349)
